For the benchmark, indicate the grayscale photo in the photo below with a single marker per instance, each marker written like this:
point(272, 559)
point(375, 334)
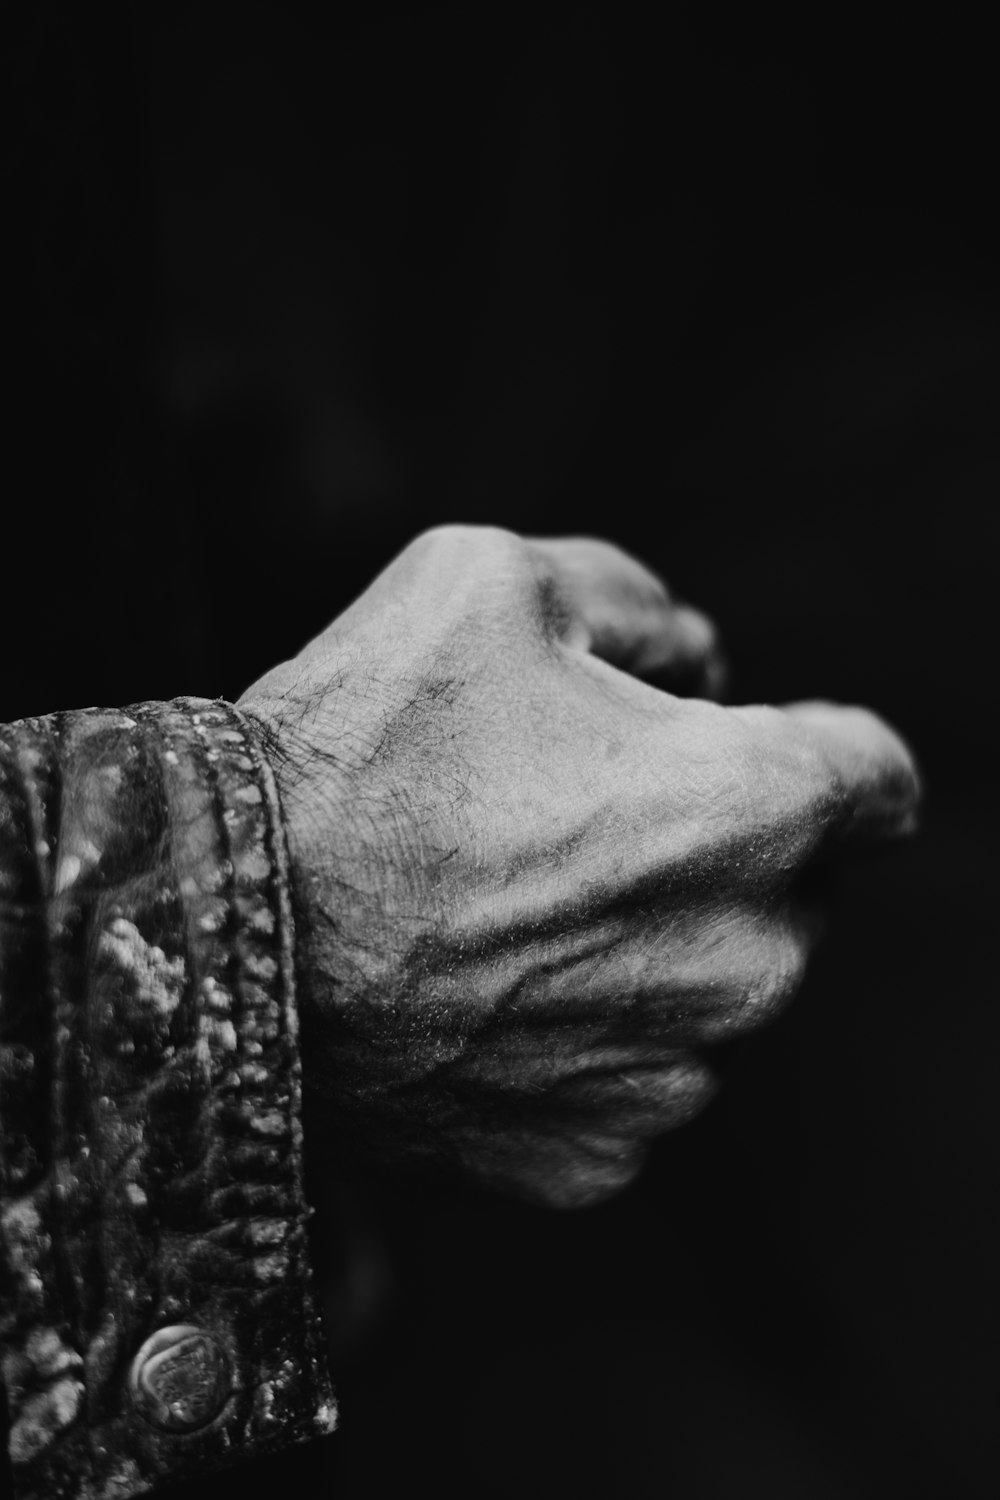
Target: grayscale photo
point(497, 823)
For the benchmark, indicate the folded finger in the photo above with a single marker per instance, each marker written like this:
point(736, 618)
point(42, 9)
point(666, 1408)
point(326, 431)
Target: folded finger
point(860, 777)
point(618, 609)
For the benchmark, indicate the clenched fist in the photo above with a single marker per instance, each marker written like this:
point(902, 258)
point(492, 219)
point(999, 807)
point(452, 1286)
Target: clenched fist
point(533, 890)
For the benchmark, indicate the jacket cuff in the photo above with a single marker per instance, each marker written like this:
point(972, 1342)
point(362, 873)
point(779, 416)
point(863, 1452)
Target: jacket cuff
point(156, 1314)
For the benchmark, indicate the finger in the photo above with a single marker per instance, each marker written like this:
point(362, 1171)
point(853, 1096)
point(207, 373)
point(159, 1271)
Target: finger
point(871, 789)
point(621, 611)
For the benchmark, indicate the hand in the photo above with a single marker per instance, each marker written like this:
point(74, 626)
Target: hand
point(533, 890)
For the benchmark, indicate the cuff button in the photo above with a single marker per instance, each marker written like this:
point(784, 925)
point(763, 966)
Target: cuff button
point(180, 1379)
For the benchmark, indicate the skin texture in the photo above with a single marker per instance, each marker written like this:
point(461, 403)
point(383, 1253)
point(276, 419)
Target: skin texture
point(533, 889)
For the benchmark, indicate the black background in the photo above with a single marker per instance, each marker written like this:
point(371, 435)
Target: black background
point(722, 288)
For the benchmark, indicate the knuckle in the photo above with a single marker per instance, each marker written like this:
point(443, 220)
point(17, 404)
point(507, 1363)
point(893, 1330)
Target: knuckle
point(790, 767)
point(475, 542)
point(489, 573)
point(496, 564)
point(601, 570)
point(774, 990)
point(766, 970)
point(702, 633)
point(595, 556)
point(769, 992)
point(765, 726)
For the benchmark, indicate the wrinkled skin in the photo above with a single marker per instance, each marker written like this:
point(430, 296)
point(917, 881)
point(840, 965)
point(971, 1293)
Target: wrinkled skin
point(534, 890)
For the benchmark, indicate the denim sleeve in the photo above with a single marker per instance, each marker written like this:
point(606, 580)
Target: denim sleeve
point(156, 1312)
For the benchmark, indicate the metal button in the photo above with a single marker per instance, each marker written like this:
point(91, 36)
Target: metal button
point(180, 1378)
